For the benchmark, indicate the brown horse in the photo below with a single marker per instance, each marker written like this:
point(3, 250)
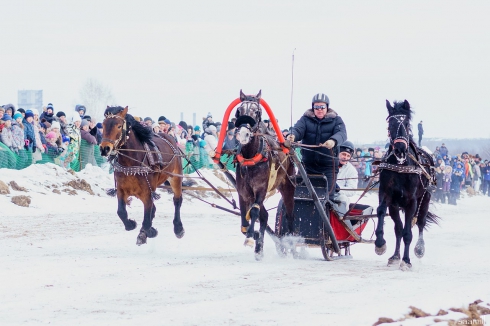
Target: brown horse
point(142, 160)
point(261, 167)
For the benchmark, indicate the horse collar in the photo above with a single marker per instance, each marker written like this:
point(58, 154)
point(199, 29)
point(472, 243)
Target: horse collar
point(261, 155)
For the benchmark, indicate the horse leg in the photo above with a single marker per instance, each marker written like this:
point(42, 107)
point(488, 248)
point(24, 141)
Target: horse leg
point(122, 212)
point(410, 211)
point(243, 214)
point(147, 231)
point(395, 216)
point(176, 184)
point(259, 241)
point(178, 227)
point(419, 249)
point(254, 213)
point(380, 242)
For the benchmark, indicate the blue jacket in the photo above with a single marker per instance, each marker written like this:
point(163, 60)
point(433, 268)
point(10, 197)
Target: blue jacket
point(29, 133)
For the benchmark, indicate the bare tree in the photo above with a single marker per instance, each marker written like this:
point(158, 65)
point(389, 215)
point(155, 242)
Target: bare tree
point(95, 97)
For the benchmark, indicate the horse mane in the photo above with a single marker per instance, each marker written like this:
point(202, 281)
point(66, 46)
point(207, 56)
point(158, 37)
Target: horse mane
point(143, 133)
point(399, 108)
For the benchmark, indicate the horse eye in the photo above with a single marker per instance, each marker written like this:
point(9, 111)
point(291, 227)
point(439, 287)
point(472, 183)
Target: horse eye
point(119, 127)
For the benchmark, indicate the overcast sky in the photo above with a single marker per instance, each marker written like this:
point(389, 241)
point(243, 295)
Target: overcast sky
point(168, 57)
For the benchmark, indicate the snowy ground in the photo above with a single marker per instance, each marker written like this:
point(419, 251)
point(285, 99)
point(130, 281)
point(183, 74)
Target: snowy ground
point(68, 260)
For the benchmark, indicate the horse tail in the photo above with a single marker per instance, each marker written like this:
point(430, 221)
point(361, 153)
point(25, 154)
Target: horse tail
point(432, 219)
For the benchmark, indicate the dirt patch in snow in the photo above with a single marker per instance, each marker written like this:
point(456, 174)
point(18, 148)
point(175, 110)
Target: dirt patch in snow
point(21, 200)
point(16, 187)
point(80, 184)
point(4, 189)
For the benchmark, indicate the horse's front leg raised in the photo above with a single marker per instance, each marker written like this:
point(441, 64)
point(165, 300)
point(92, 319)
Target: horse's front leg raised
point(147, 231)
point(407, 235)
point(254, 213)
point(380, 242)
point(243, 215)
point(122, 212)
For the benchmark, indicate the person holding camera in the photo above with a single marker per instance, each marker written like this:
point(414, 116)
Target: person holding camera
point(323, 127)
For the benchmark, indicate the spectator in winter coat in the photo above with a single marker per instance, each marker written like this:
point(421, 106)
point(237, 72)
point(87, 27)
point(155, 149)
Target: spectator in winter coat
point(9, 109)
point(211, 139)
point(61, 118)
point(230, 142)
point(439, 194)
point(49, 114)
point(476, 175)
point(456, 183)
point(7, 134)
point(321, 126)
point(85, 133)
point(208, 120)
point(2, 112)
point(53, 149)
point(443, 150)
point(29, 133)
point(347, 177)
point(18, 131)
point(486, 178)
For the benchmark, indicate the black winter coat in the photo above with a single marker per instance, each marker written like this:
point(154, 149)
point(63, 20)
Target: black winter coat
point(312, 131)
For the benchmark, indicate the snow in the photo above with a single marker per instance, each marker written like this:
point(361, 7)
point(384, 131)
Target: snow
point(68, 260)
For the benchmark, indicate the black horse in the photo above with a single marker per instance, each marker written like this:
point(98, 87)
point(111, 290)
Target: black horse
point(262, 167)
point(142, 161)
point(405, 181)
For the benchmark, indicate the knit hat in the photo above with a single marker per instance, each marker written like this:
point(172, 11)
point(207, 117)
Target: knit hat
point(76, 117)
point(209, 115)
point(197, 128)
point(51, 135)
point(55, 124)
point(60, 114)
point(183, 124)
point(155, 124)
point(66, 139)
point(148, 119)
point(50, 106)
point(99, 125)
point(6, 117)
point(21, 110)
point(29, 114)
point(162, 119)
point(167, 121)
point(17, 115)
point(84, 123)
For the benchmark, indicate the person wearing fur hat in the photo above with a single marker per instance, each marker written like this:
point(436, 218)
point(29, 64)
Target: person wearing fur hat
point(9, 109)
point(207, 121)
point(81, 110)
point(49, 114)
point(320, 125)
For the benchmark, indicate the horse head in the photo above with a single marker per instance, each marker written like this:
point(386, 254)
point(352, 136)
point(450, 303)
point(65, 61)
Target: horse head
point(399, 117)
point(115, 129)
point(249, 115)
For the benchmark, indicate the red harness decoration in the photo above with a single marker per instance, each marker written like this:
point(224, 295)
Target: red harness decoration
point(251, 161)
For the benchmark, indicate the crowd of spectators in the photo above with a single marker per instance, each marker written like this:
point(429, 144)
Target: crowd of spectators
point(31, 133)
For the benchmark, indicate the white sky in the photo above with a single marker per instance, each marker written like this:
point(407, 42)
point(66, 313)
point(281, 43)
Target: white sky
point(167, 57)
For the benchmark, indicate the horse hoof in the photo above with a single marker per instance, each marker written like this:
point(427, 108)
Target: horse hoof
point(249, 242)
point(380, 250)
point(419, 249)
point(131, 225)
point(141, 239)
point(393, 262)
point(180, 234)
point(259, 256)
point(405, 266)
point(152, 232)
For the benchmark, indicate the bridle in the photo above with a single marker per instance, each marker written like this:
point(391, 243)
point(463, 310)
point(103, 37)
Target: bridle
point(122, 137)
point(400, 137)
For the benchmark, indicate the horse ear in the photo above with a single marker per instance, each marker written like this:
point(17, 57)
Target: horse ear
point(389, 107)
point(406, 105)
point(259, 95)
point(124, 112)
point(242, 96)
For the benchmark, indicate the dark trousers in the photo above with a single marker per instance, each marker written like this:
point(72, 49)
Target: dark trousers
point(331, 176)
point(420, 140)
point(486, 187)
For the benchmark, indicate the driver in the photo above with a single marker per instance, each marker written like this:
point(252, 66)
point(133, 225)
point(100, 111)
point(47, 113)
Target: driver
point(322, 126)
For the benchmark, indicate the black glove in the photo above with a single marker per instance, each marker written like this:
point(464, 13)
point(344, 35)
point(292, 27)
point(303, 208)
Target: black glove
point(93, 132)
point(34, 149)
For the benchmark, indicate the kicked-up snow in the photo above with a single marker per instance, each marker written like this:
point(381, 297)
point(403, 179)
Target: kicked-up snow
point(67, 260)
